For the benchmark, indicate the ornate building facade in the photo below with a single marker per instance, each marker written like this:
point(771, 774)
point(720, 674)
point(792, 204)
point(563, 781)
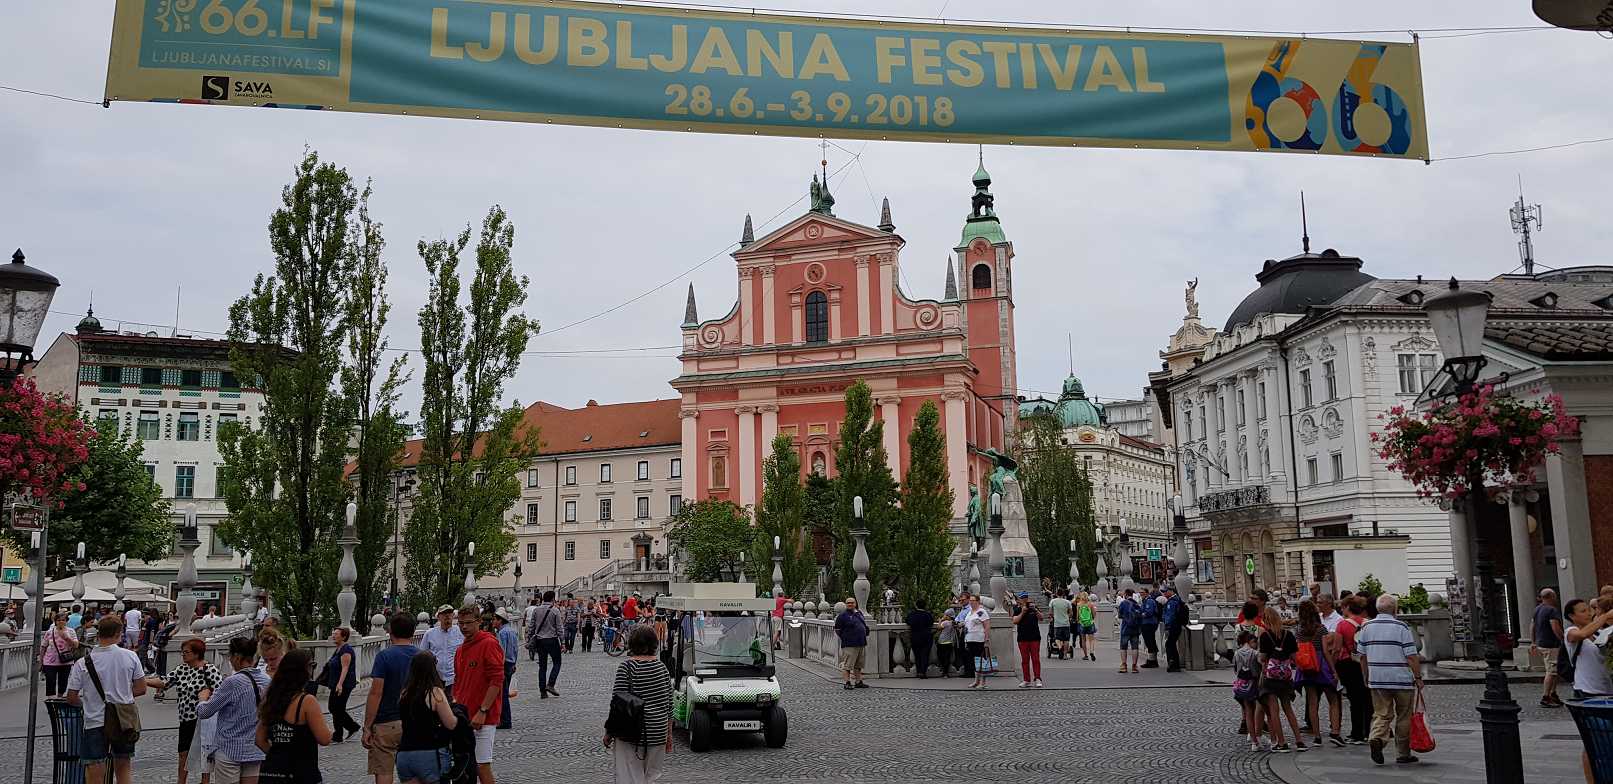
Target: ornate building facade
point(819, 308)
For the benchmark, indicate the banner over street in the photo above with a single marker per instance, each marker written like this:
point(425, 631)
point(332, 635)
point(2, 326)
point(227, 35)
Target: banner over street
point(626, 66)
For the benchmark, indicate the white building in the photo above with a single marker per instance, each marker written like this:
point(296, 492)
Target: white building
point(171, 394)
point(1133, 418)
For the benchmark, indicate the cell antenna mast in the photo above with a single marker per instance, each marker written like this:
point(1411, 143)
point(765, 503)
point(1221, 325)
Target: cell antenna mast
point(1304, 225)
point(1523, 215)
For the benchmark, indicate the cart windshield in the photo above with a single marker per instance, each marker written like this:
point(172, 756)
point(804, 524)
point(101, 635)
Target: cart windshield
point(731, 640)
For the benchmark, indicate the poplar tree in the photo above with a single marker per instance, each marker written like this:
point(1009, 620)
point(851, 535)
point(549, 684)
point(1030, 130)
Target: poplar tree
point(780, 514)
point(372, 385)
point(286, 495)
point(860, 462)
point(1058, 499)
point(474, 447)
point(921, 537)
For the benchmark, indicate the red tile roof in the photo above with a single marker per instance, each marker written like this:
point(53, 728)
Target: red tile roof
point(1140, 443)
point(594, 427)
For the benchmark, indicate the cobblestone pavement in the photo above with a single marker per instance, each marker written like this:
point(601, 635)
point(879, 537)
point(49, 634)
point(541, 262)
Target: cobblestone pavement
point(874, 735)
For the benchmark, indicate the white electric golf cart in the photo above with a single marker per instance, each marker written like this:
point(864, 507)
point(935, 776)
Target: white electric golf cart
point(721, 662)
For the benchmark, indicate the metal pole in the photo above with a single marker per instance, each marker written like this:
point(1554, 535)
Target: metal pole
point(33, 661)
point(1498, 712)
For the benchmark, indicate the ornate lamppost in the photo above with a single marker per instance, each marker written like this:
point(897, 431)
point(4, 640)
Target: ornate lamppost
point(1102, 583)
point(1184, 580)
point(741, 566)
point(25, 295)
point(1125, 557)
point(974, 568)
point(1457, 317)
point(999, 583)
point(470, 573)
point(80, 566)
point(1075, 571)
point(123, 573)
point(859, 558)
point(778, 569)
point(347, 573)
point(185, 581)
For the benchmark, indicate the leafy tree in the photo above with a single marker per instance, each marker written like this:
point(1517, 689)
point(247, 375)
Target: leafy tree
point(921, 536)
point(372, 386)
point(474, 447)
point(711, 534)
point(112, 506)
point(863, 471)
point(779, 514)
point(1058, 500)
point(286, 495)
point(819, 505)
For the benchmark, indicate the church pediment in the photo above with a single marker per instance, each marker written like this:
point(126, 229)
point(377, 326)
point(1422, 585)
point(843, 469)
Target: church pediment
point(809, 230)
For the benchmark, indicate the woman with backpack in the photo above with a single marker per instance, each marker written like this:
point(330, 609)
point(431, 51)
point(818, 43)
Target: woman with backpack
point(1246, 685)
point(1318, 665)
point(1278, 673)
point(428, 720)
point(290, 726)
point(1584, 661)
point(644, 676)
point(1086, 626)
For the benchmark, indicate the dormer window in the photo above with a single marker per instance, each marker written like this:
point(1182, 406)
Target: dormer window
point(1413, 297)
point(1547, 300)
point(817, 317)
point(980, 276)
point(1605, 303)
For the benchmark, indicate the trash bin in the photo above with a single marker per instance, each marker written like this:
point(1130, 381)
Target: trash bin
point(1595, 720)
point(67, 735)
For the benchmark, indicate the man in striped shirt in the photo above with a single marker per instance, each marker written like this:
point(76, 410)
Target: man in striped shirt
point(1387, 650)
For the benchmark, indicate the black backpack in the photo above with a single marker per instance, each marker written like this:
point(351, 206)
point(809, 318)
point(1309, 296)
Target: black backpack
point(461, 749)
point(626, 719)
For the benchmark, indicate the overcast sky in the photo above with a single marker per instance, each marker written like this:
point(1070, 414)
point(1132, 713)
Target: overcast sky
point(136, 201)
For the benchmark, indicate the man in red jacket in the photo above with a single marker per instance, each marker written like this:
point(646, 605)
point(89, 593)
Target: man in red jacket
point(479, 684)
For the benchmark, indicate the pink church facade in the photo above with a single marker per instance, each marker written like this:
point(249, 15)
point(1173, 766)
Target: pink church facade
point(819, 308)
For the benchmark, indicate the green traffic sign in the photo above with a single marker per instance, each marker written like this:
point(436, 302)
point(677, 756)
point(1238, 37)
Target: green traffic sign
point(13, 574)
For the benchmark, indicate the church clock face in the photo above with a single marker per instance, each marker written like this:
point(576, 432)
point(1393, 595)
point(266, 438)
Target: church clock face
point(815, 273)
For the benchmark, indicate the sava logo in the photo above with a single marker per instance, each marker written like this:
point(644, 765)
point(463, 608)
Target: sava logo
point(215, 88)
point(220, 88)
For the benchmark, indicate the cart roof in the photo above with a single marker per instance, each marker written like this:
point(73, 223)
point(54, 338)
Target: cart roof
point(714, 597)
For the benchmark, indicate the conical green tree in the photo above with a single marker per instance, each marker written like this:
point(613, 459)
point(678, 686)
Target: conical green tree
point(921, 538)
point(861, 463)
point(780, 515)
point(1058, 500)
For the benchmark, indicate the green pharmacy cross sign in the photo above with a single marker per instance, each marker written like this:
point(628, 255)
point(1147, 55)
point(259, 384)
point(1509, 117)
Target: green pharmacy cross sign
point(1249, 565)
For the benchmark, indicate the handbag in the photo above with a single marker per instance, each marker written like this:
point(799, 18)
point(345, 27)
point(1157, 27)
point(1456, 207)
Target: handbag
point(986, 664)
point(70, 655)
point(626, 719)
point(1422, 741)
point(1281, 670)
point(122, 727)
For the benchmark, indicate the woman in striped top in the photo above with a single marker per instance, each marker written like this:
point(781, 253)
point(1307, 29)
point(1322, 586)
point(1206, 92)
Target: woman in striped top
point(645, 676)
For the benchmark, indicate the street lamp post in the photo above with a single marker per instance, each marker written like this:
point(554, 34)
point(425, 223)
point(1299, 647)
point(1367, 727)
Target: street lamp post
point(859, 558)
point(1184, 556)
point(974, 568)
point(1075, 572)
point(249, 604)
point(37, 613)
point(80, 566)
point(347, 573)
point(123, 573)
point(778, 569)
point(999, 583)
point(25, 295)
point(185, 581)
point(470, 573)
point(1125, 557)
point(1457, 317)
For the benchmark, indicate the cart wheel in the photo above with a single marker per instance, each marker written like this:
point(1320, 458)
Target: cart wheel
point(775, 727)
point(699, 729)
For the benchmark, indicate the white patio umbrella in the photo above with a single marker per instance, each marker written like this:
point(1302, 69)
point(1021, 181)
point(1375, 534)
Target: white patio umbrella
point(106, 580)
point(90, 595)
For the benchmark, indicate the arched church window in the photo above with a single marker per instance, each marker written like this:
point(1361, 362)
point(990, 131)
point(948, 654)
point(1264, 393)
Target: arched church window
point(817, 317)
point(981, 276)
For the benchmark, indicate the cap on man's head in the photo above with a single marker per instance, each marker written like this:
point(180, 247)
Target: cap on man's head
point(952, 613)
point(447, 608)
point(1024, 594)
point(1170, 588)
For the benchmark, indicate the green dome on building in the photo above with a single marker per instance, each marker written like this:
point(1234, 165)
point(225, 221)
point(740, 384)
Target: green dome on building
point(1073, 408)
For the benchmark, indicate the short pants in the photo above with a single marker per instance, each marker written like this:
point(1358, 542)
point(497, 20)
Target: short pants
point(484, 744)
point(427, 765)
point(384, 738)
point(1088, 630)
point(1131, 642)
point(96, 750)
point(853, 658)
point(1061, 633)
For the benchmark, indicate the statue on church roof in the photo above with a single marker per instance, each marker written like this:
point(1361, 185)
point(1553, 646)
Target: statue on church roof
point(823, 202)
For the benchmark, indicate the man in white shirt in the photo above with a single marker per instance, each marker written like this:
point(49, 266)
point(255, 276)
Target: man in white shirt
point(443, 641)
point(1330, 616)
point(122, 678)
point(131, 628)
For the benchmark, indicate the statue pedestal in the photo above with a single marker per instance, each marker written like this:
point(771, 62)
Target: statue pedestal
point(1016, 544)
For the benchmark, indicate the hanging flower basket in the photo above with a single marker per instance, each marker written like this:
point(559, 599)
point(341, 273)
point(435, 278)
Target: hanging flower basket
point(40, 437)
point(1498, 439)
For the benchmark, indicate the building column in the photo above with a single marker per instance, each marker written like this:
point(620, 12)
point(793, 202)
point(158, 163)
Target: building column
point(746, 466)
point(890, 411)
point(957, 433)
point(768, 326)
point(887, 293)
point(1571, 521)
point(769, 413)
point(1523, 562)
point(747, 308)
point(864, 285)
point(692, 469)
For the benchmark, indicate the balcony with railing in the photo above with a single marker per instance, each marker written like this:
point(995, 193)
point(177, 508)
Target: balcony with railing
point(1229, 500)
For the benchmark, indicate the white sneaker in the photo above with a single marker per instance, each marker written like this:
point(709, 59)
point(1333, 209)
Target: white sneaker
point(1024, 684)
point(1038, 683)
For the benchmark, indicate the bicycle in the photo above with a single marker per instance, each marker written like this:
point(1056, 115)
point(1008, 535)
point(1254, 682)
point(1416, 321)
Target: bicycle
point(613, 641)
